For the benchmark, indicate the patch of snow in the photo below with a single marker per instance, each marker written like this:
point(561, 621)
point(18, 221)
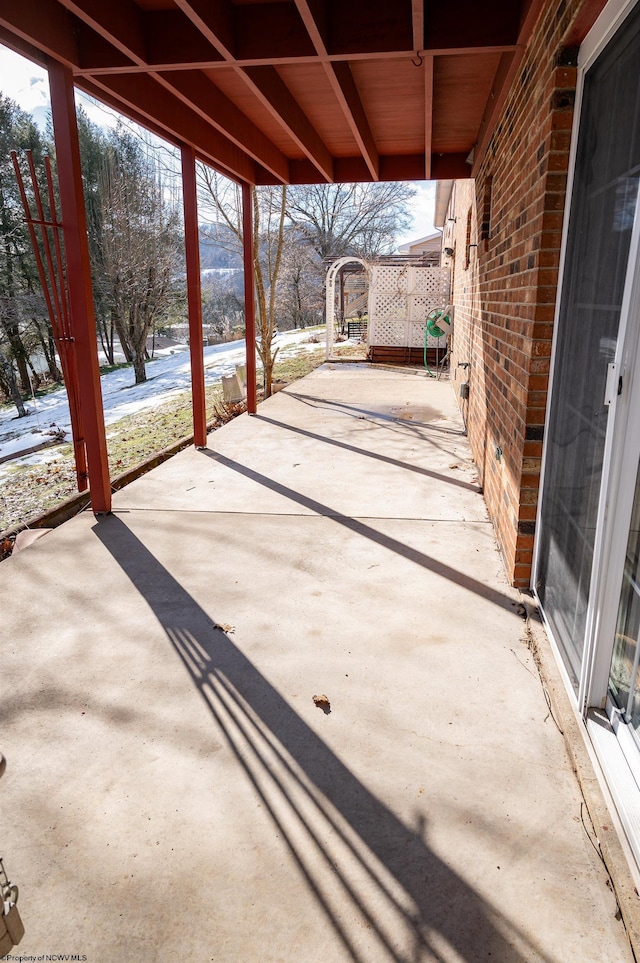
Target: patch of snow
point(29, 440)
point(168, 374)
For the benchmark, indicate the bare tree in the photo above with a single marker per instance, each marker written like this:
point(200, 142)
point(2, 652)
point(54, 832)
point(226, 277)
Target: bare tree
point(139, 248)
point(269, 213)
point(269, 218)
point(222, 309)
point(359, 219)
point(94, 147)
point(18, 275)
point(301, 293)
point(222, 199)
point(8, 379)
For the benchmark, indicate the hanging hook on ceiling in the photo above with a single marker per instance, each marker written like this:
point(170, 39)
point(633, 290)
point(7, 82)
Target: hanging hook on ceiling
point(418, 62)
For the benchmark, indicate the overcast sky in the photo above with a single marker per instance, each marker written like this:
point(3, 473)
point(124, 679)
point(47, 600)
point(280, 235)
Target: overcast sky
point(27, 84)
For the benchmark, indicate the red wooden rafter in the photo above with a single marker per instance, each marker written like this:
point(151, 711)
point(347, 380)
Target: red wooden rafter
point(159, 67)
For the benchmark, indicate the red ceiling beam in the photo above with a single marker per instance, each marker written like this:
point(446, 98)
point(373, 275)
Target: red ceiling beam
point(151, 101)
point(102, 94)
point(417, 23)
point(313, 14)
point(118, 21)
point(428, 113)
point(214, 21)
point(273, 29)
point(166, 56)
point(268, 86)
point(22, 47)
point(201, 95)
point(107, 97)
point(112, 46)
point(171, 42)
point(174, 39)
point(347, 170)
point(201, 36)
point(342, 83)
point(98, 52)
point(277, 32)
point(344, 87)
point(45, 24)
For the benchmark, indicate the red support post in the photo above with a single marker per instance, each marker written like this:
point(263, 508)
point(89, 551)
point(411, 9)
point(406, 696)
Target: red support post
point(76, 243)
point(194, 295)
point(249, 296)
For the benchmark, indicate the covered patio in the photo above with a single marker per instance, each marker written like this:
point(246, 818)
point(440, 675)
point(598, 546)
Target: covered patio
point(279, 93)
point(172, 790)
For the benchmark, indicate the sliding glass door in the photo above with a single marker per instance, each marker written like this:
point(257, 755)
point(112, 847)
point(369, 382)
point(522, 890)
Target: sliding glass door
point(603, 206)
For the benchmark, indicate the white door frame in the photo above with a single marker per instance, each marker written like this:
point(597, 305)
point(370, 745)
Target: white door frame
point(620, 469)
point(598, 649)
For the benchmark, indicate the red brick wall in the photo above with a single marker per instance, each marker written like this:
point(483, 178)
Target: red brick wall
point(505, 298)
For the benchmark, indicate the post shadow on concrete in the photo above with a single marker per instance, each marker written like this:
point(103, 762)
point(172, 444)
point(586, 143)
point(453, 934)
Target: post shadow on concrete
point(361, 528)
point(387, 421)
point(368, 453)
point(366, 868)
point(377, 414)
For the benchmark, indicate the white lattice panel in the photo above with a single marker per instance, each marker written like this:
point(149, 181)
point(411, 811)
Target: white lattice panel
point(391, 278)
point(386, 305)
point(391, 331)
point(400, 299)
point(416, 337)
point(420, 307)
point(433, 282)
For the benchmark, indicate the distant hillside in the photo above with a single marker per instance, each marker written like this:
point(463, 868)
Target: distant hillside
point(216, 243)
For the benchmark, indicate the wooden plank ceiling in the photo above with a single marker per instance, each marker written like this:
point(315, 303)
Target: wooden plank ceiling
point(293, 91)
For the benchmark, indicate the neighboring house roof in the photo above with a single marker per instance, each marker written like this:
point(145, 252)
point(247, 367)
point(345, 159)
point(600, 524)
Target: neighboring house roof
point(429, 243)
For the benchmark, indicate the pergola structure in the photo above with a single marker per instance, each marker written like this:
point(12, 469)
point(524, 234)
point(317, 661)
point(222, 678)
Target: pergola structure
point(275, 92)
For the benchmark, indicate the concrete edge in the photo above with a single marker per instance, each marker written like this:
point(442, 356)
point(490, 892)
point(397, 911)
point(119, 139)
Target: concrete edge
point(78, 503)
point(389, 366)
point(575, 738)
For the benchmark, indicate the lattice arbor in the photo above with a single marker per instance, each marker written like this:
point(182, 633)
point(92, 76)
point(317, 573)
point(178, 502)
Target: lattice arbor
point(401, 298)
point(333, 275)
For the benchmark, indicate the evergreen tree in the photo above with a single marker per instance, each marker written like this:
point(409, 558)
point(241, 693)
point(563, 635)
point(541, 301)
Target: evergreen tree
point(21, 303)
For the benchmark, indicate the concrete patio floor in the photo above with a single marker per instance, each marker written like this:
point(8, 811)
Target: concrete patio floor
point(172, 791)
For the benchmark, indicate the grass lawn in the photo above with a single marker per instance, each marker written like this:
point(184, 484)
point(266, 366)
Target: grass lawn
point(30, 491)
